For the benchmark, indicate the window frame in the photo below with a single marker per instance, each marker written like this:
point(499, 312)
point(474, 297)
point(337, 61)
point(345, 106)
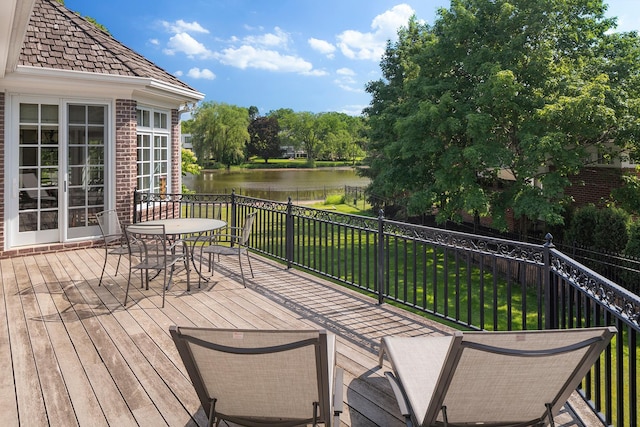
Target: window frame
point(153, 149)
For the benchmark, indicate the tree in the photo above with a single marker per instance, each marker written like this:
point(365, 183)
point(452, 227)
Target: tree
point(219, 131)
point(307, 129)
point(190, 163)
point(493, 107)
point(341, 136)
point(264, 141)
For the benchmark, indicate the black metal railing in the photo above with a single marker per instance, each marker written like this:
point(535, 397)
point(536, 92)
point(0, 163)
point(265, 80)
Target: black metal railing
point(476, 282)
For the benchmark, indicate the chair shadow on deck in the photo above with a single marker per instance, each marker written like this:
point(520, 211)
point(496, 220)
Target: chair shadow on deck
point(74, 300)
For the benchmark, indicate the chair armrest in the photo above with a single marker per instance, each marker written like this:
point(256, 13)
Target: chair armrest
point(338, 399)
point(397, 390)
point(383, 347)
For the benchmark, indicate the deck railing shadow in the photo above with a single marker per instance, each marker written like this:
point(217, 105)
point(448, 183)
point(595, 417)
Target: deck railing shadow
point(475, 282)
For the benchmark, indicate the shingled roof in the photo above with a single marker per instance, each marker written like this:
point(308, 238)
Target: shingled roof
point(58, 38)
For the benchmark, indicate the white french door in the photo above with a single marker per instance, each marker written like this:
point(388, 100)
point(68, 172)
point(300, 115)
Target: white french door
point(56, 166)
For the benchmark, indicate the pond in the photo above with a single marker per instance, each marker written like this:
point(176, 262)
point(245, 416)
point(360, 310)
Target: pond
point(277, 184)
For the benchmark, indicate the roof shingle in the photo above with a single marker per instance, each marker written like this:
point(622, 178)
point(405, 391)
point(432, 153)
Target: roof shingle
point(61, 39)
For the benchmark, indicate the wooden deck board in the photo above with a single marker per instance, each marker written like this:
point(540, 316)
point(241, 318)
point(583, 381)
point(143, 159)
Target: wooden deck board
point(75, 355)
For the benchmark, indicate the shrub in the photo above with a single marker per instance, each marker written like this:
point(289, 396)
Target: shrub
point(633, 243)
point(583, 225)
point(611, 232)
point(335, 199)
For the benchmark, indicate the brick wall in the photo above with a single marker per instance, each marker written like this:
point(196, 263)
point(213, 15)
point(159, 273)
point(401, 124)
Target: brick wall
point(176, 163)
point(126, 155)
point(594, 185)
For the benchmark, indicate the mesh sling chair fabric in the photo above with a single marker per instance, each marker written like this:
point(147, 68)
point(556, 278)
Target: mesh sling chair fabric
point(490, 378)
point(153, 250)
point(233, 243)
point(263, 377)
point(113, 236)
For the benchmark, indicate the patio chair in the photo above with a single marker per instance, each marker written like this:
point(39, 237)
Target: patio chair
point(153, 250)
point(490, 378)
point(113, 237)
point(263, 377)
point(233, 243)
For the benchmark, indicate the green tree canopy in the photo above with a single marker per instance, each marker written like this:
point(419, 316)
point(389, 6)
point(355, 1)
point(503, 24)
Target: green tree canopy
point(496, 104)
point(219, 132)
point(264, 139)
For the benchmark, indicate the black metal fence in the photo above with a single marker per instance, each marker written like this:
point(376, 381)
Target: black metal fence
point(476, 282)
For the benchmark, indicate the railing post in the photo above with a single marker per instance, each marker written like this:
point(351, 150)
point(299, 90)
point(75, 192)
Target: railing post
point(288, 234)
point(233, 208)
point(551, 290)
point(135, 205)
point(380, 256)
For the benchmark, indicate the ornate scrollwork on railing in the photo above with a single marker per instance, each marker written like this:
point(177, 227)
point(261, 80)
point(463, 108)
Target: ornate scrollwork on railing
point(478, 244)
point(337, 218)
point(268, 205)
point(146, 197)
point(615, 298)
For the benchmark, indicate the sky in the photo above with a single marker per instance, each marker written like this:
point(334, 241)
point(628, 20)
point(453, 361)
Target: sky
point(307, 55)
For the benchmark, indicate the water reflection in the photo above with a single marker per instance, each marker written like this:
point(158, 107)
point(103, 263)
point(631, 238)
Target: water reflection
point(277, 184)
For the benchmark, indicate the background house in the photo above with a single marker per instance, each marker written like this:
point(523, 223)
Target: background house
point(84, 120)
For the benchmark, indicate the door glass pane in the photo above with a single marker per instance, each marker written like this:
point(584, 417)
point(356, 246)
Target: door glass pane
point(49, 220)
point(96, 135)
point(77, 134)
point(38, 155)
point(28, 221)
point(28, 134)
point(28, 113)
point(49, 135)
point(77, 176)
point(77, 114)
point(76, 155)
point(86, 157)
point(29, 156)
point(96, 115)
point(49, 157)
point(49, 114)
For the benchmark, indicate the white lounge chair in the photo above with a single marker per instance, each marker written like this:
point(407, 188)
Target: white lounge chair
point(263, 378)
point(490, 378)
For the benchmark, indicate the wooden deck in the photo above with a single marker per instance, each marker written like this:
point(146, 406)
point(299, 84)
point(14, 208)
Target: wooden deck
point(72, 355)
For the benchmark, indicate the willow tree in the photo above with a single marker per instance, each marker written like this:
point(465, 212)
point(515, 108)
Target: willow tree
point(494, 106)
point(219, 132)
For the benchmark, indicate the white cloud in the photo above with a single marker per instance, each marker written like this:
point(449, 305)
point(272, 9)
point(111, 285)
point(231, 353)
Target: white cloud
point(278, 38)
point(178, 73)
point(197, 73)
point(345, 72)
point(183, 42)
point(264, 59)
point(181, 26)
point(346, 80)
point(322, 46)
point(353, 110)
point(155, 42)
point(370, 46)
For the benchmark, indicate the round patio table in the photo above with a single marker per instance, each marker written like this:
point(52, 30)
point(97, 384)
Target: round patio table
point(189, 227)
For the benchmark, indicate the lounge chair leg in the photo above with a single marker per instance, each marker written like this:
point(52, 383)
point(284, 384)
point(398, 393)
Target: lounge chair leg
point(550, 415)
point(445, 421)
point(212, 413)
point(315, 414)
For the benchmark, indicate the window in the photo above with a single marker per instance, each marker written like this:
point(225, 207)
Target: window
point(153, 136)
